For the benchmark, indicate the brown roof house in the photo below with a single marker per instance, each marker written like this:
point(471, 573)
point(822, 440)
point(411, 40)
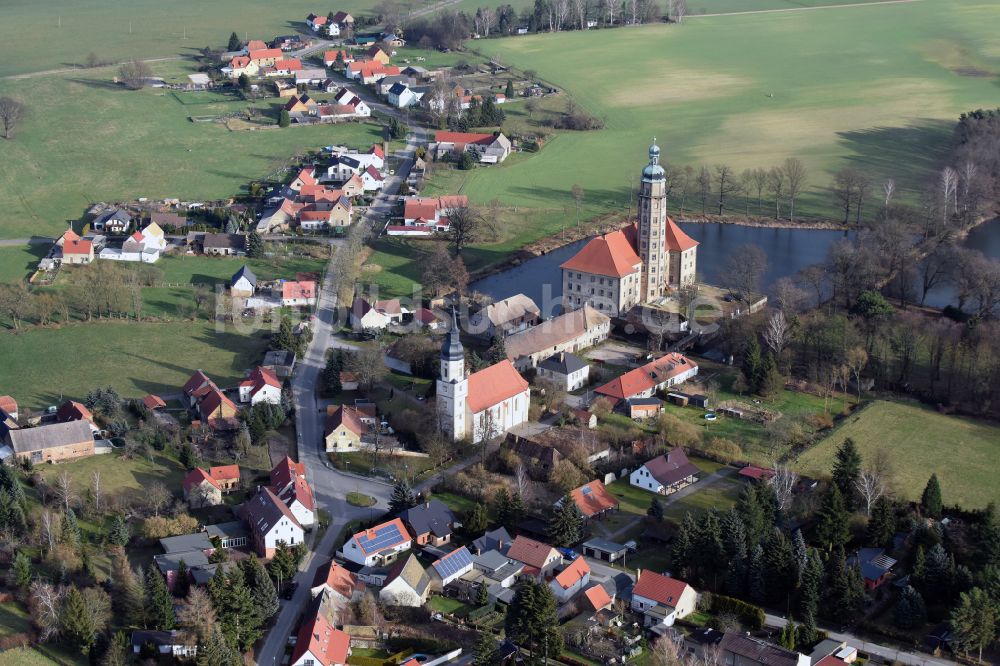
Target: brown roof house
point(53, 442)
point(345, 426)
point(271, 522)
point(533, 453)
point(665, 474)
point(539, 559)
point(407, 584)
point(201, 490)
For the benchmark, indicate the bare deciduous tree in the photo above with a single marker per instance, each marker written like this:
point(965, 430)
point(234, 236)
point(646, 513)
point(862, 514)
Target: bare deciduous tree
point(49, 525)
point(134, 74)
point(45, 602)
point(677, 10)
point(795, 178)
point(64, 490)
point(888, 188)
point(610, 6)
point(466, 226)
point(11, 112)
point(725, 184)
point(776, 332)
point(857, 360)
point(870, 486)
point(744, 270)
point(949, 192)
point(157, 497)
point(521, 481)
point(783, 483)
point(776, 184)
point(95, 489)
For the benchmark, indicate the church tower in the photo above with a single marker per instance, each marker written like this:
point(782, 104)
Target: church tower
point(652, 228)
point(453, 385)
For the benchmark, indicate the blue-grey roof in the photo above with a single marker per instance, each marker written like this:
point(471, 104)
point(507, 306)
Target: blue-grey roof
point(244, 273)
point(453, 562)
point(452, 350)
point(874, 563)
point(603, 545)
point(398, 88)
point(186, 542)
point(563, 363)
point(498, 539)
point(432, 517)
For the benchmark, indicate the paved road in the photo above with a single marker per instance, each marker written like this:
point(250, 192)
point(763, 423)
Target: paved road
point(330, 486)
point(912, 658)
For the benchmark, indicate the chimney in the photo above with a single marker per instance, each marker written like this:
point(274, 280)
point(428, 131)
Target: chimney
point(638, 574)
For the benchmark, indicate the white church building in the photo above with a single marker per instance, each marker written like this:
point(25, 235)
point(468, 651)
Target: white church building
point(481, 405)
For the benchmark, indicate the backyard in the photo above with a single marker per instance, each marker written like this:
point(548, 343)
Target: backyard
point(920, 441)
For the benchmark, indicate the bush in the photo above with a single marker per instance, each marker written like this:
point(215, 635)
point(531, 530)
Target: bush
point(750, 616)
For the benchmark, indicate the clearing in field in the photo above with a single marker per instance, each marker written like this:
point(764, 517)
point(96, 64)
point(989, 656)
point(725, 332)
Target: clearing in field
point(85, 140)
point(42, 366)
point(876, 87)
point(920, 441)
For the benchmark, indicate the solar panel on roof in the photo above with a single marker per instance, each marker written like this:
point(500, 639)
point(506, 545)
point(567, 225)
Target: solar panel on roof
point(385, 536)
point(453, 562)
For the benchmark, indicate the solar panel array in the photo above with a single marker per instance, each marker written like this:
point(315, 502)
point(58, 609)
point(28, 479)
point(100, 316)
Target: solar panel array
point(385, 535)
point(453, 562)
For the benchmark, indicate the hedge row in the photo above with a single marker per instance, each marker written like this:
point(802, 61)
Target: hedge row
point(750, 616)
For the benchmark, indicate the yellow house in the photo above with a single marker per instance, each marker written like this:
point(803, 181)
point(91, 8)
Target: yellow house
point(344, 428)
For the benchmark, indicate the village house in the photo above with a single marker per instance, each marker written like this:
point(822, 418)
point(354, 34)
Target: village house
point(71, 410)
point(265, 57)
point(340, 586)
point(539, 559)
point(344, 20)
point(376, 54)
point(401, 95)
point(240, 65)
point(567, 371)
point(298, 294)
point(218, 411)
point(571, 580)
point(593, 499)
point(388, 82)
point(569, 332)
point(205, 488)
point(261, 386)
point(742, 650)
point(71, 249)
point(54, 442)
point(289, 485)
point(144, 246)
point(372, 180)
point(487, 148)
point(114, 221)
point(191, 549)
point(665, 474)
point(8, 405)
point(407, 584)
point(669, 370)
point(506, 317)
point(271, 522)
point(310, 76)
point(283, 67)
point(424, 216)
point(279, 361)
point(222, 245)
point(534, 454)
point(449, 568)
point(167, 643)
point(602, 549)
point(368, 72)
point(337, 56)
point(318, 642)
point(379, 545)
point(498, 539)
point(482, 405)
point(243, 283)
point(430, 523)
point(344, 429)
point(301, 104)
point(874, 564)
point(661, 600)
point(367, 316)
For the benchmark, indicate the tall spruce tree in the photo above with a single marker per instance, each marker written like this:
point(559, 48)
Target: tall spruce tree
point(120, 533)
point(216, 651)
point(811, 588)
point(683, 545)
point(566, 525)
point(20, 571)
point(159, 606)
point(757, 575)
point(402, 498)
point(71, 529)
point(753, 513)
point(77, 621)
point(847, 589)
point(234, 607)
point(753, 367)
point(780, 567)
point(235, 43)
point(881, 524)
point(533, 620)
point(477, 520)
point(846, 469)
point(487, 653)
point(801, 555)
point(930, 500)
point(710, 547)
point(182, 581)
point(910, 610)
point(832, 528)
point(265, 596)
point(735, 539)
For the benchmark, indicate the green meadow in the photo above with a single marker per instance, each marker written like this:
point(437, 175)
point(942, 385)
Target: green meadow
point(877, 87)
point(85, 140)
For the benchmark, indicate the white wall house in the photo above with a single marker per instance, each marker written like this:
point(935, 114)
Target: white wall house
point(662, 599)
point(379, 545)
point(571, 581)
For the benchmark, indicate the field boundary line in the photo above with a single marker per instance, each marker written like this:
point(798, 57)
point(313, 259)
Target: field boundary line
point(802, 9)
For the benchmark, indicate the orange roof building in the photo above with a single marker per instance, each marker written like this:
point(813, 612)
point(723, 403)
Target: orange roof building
point(668, 370)
point(593, 499)
point(641, 263)
point(320, 643)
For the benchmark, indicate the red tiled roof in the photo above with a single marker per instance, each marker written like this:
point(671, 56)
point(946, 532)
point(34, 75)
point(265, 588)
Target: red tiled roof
point(597, 597)
point(74, 411)
point(377, 151)
point(756, 473)
point(298, 290)
point(593, 498)
point(290, 64)
point(530, 552)
point(288, 480)
point(314, 216)
point(373, 172)
point(463, 137)
point(611, 254)
point(70, 235)
point(337, 578)
point(325, 643)
point(79, 246)
point(257, 54)
point(419, 208)
point(256, 45)
point(661, 589)
point(830, 660)
point(646, 377)
point(261, 376)
point(225, 473)
point(212, 401)
point(576, 570)
point(676, 239)
point(153, 402)
point(331, 56)
point(197, 380)
point(239, 62)
point(8, 404)
point(347, 416)
point(493, 385)
point(196, 477)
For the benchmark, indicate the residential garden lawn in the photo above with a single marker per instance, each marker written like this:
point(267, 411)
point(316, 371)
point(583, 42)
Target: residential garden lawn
point(14, 619)
point(85, 140)
point(441, 604)
point(360, 499)
point(34, 657)
point(193, 269)
point(18, 263)
point(455, 502)
point(417, 385)
point(751, 90)
point(721, 494)
point(118, 473)
point(41, 366)
point(921, 441)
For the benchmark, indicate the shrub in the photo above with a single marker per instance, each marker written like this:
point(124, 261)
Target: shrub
point(750, 616)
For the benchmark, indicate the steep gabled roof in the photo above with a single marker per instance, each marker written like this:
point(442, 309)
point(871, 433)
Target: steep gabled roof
point(593, 498)
point(382, 537)
point(345, 415)
point(611, 254)
point(263, 511)
point(71, 410)
point(676, 239)
point(530, 552)
point(322, 640)
point(463, 137)
point(671, 467)
point(339, 579)
point(225, 473)
point(576, 570)
point(26, 440)
point(433, 517)
point(646, 377)
point(288, 481)
point(306, 289)
point(196, 477)
point(597, 597)
point(411, 572)
point(661, 589)
point(493, 385)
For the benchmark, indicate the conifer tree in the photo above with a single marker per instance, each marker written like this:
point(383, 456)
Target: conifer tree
point(801, 555)
point(118, 652)
point(811, 588)
point(255, 245)
point(76, 621)
point(846, 469)
point(159, 606)
point(533, 620)
point(482, 596)
point(265, 596)
point(120, 533)
point(487, 653)
point(235, 43)
point(282, 566)
point(497, 351)
point(20, 570)
point(477, 521)
point(683, 545)
point(709, 546)
point(881, 524)
point(509, 92)
point(182, 581)
point(71, 529)
point(753, 368)
point(847, 590)
point(757, 582)
point(832, 528)
point(565, 527)
point(753, 513)
point(655, 510)
point(234, 607)
point(780, 566)
point(931, 501)
point(402, 498)
point(974, 621)
point(910, 610)
point(216, 651)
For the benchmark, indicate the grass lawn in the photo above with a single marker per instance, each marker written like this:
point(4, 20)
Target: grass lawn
point(14, 619)
point(359, 499)
point(30, 657)
point(18, 263)
point(118, 473)
point(456, 502)
point(450, 606)
point(41, 366)
point(722, 494)
point(85, 140)
point(920, 441)
point(878, 88)
point(188, 269)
